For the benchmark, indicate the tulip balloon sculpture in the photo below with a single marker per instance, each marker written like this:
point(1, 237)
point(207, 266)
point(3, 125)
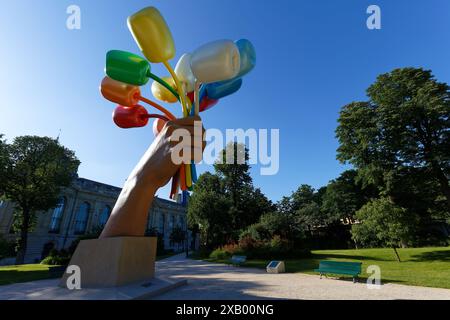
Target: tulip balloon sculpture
point(199, 80)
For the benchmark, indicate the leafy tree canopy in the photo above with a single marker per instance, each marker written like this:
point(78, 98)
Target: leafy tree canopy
point(405, 124)
point(384, 223)
point(33, 171)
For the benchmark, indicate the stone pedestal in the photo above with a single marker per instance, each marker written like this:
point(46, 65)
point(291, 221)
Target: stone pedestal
point(114, 262)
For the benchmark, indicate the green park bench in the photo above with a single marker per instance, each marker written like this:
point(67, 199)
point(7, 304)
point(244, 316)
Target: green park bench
point(339, 267)
point(238, 260)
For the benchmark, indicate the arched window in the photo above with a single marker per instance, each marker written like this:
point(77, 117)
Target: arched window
point(81, 218)
point(57, 215)
point(104, 216)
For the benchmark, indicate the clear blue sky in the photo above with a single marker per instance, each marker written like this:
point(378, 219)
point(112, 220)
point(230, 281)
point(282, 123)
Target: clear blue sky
point(312, 58)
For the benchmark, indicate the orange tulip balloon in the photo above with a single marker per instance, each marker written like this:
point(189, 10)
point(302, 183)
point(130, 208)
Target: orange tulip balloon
point(119, 92)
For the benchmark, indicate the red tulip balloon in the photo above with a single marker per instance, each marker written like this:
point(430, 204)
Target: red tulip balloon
point(130, 117)
point(206, 102)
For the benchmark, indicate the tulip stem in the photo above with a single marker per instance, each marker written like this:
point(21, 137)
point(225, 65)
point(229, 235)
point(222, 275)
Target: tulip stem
point(154, 115)
point(197, 97)
point(164, 83)
point(180, 88)
point(157, 106)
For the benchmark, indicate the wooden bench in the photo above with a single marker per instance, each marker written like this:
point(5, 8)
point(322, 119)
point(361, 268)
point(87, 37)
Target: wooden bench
point(339, 267)
point(238, 260)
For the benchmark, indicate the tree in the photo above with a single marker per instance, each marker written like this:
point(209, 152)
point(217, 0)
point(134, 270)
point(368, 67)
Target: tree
point(232, 166)
point(35, 170)
point(382, 221)
point(225, 203)
point(304, 195)
point(276, 223)
point(178, 235)
point(285, 205)
point(209, 209)
point(3, 163)
point(248, 203)
point(254, 205)
point(403, 126)
point(344, 196)
point(302, 208)
point(310, 216)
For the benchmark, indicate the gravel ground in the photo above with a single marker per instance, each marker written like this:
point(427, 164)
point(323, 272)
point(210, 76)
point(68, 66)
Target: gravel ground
point(208, 280)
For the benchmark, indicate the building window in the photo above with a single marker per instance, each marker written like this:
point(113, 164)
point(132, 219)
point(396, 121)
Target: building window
point(104, 216)
point(162, 222)
point(182, 222)
point(81, 218)
point(172, 222)
point(57, 216)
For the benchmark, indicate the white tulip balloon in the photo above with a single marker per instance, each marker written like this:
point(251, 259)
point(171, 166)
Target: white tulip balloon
point(184, 72)
point(215, 61)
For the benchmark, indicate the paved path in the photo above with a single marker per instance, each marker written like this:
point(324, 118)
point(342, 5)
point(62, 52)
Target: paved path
point(217, 281)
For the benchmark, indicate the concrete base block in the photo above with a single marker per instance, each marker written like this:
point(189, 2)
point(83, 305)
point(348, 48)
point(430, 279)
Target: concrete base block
point(114, 262)
point(49, 290)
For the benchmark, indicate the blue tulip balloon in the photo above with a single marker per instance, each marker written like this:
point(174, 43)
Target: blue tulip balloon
point(218, 90)
point(248, 56)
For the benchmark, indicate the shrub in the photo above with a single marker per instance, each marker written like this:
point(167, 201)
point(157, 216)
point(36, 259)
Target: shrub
point(56, 257)
point(226, 252)
point(56, 261)
point(276, 248)
point(219, 254)
point(232, 249)
point(248, 243)
point(253, 231)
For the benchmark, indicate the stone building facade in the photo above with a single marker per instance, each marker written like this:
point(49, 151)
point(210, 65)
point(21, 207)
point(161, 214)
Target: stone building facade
point(82, 209)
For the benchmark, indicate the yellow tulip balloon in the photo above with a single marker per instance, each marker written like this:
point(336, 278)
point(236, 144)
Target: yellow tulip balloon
point(161, 93)
point(152, 35)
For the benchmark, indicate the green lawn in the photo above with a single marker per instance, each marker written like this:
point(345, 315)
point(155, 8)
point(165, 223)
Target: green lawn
point(428, 267)
point(24, 273)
